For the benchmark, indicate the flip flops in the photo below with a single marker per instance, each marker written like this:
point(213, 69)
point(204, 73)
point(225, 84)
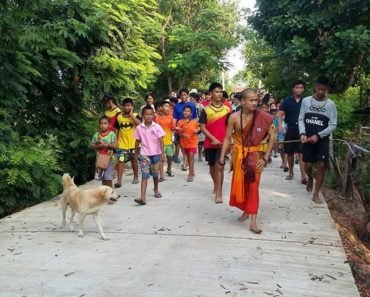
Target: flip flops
point(140, 201)
point(158, 195)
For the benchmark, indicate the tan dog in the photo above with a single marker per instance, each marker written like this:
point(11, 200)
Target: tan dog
point(85, 202)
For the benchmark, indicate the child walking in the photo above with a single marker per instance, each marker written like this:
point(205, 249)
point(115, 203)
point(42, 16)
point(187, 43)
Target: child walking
point(168, 124)
point(104, 142)
point(188, 129)
point(150, 135)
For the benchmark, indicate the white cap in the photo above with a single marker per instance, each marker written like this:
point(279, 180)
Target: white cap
point(193, 91)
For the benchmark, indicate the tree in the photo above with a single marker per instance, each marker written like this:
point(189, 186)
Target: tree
point(321, 37)
point(196, 35)
point(57, 58)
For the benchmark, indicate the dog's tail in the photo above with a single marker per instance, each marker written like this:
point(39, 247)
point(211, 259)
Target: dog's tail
point(68, 181)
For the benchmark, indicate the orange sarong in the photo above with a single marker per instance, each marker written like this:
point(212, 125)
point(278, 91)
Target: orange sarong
point(244, 195)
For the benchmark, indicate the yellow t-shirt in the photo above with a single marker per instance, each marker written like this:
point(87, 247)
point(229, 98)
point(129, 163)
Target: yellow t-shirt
point(126, 131)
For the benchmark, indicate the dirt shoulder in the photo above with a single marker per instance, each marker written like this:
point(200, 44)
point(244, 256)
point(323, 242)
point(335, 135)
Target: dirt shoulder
point(351, 224)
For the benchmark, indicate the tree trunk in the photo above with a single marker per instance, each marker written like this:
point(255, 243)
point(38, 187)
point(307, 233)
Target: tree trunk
point(169, 81)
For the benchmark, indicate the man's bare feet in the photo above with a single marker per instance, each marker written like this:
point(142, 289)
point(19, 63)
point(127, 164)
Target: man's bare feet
point(218, 200)
point(316, 198)
point(255, 229)
point(243, 217)
point(309, 185)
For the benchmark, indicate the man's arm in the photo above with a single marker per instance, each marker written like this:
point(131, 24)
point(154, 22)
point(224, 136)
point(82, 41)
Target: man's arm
point(202, 122)
point(162, 149)
point(226, 144)
point(301, 124)
point(137, 145)
point(272, 138)
point(135, 119)
point(332, 122)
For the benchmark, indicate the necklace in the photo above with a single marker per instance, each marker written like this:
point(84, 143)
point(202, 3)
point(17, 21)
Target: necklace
point(318, 108)
point(216, 108)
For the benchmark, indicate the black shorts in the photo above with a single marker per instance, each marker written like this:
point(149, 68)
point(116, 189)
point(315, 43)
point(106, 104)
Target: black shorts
point(318, 152)
point(212, 155)
point(292, 147)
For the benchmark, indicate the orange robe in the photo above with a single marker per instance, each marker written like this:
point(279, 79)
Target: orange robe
point(244, 195)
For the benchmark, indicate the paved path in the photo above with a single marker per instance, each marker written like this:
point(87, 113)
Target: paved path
point(180, 245)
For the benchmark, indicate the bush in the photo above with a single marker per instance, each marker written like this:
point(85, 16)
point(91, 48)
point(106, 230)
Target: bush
point(29, 171)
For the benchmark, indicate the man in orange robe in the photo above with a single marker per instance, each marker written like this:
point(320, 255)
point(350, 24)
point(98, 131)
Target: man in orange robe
point(248, 127)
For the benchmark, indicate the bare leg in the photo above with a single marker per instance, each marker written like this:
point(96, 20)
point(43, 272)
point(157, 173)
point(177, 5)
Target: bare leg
point(212, 172)
point(190, 158)
point(290, 159)
point(161, 170)
point(219, 173)
point(244, 217)
point(135, 169)
point(155, 181)
point(302, 167)
point(81, 225)
point(177, 150)
point(169, 164)
point(319, 180)
point(253, 226)
point(185, 159)
point(144, 185)
point(120, 168)
point(96, 218)
point(308, 169)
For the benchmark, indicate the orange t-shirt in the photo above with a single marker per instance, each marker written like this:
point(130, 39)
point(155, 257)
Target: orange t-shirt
point(168, 125)
point(188, 136)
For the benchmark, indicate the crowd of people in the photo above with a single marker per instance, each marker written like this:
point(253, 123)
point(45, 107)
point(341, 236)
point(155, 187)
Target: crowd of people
point(249, 129)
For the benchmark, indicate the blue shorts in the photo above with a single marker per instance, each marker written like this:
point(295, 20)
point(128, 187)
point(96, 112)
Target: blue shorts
point(108, 173)
point(149, 166)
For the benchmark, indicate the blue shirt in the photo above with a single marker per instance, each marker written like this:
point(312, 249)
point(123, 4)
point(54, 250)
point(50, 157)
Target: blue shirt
point(291, 109)
point(179, 107)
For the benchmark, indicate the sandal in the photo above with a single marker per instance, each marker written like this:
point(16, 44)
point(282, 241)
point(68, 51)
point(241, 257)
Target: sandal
point(135, 181)
point(158, 195)
point(161, 179)
point(304, 181)
point(289, 177)
point(117, 185)
point(190, 179)
point(286, 169)
point(140, 201)
point(183, 168)
point(170, 174)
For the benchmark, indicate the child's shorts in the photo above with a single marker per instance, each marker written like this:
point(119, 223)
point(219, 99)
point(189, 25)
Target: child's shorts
point(125, 155)
point(149, 166)
point(107, 174)
point(190, 150)
point(169, 150)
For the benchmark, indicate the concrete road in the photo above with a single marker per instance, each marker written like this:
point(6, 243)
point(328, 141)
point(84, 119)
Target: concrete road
point(180, 245)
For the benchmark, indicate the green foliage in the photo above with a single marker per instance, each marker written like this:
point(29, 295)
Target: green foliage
point(29, 171)
point(346, 121)
point(320, 37)
point(195, 37)
point(57, 60)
